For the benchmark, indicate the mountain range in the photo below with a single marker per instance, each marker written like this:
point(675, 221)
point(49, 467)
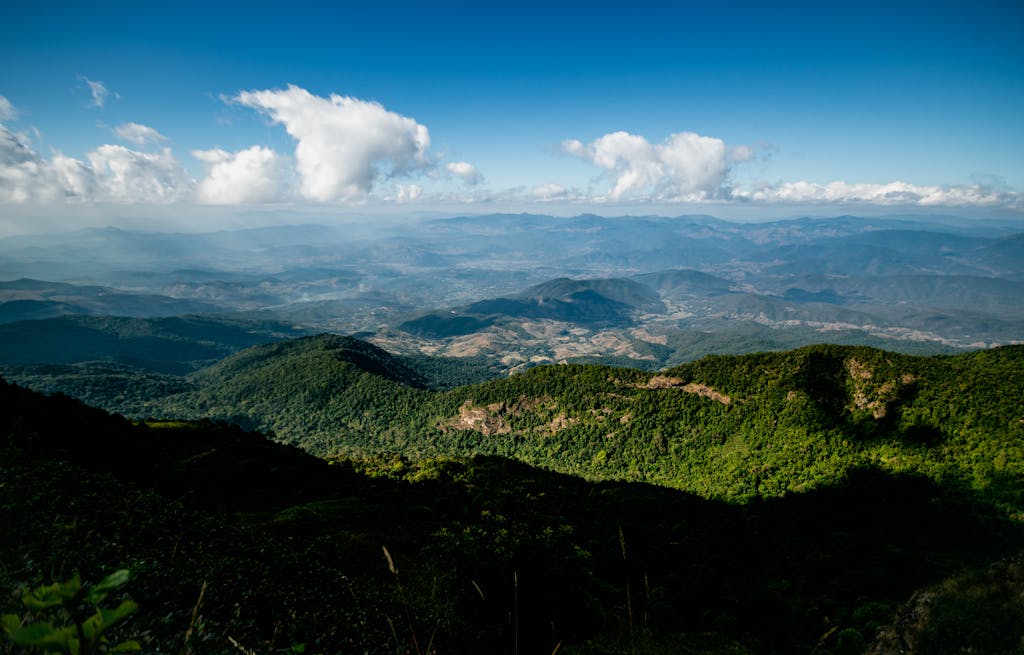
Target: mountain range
point(508, 286)
point(522, 433)
point(487, 554)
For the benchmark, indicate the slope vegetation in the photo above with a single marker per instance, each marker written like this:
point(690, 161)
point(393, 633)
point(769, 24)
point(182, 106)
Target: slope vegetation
point(492, 555)
point(731, 427)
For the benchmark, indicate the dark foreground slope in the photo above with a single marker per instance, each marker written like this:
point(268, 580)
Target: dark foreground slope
point(493, 556)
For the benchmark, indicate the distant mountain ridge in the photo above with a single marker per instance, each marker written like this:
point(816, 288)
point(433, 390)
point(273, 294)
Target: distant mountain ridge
point(175, 345)
point(596, 303)
point(28, 299)
point(462, 286)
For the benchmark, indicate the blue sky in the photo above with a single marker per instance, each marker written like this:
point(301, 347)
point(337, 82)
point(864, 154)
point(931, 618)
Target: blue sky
point(671, 106)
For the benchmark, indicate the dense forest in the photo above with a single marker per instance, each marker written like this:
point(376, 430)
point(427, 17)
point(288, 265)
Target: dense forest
point(235, 542)
point(765, 503)
point(724, 427)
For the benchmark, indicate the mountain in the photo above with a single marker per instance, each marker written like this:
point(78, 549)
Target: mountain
point(597, 303)
point(174, 345)
point(731, 427)
point(481, 555)
point(685, 282)
point(26, 299)
point(400, 281)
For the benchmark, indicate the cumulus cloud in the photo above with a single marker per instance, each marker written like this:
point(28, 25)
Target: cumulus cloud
point(408, 193)
point(548, 192)
point(344, 144)
point(111, 173)
point(892, 193)
point(252, 175)
point(138, 134)
point(98, 91)
point(686, 166)
point(7, 110)
point(24, 176)
point(125, 175)
point(465, 171)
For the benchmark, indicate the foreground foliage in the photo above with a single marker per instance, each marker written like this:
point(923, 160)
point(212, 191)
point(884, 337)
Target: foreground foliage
point(82, 621)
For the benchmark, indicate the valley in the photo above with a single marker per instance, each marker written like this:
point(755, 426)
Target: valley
point(522, 433)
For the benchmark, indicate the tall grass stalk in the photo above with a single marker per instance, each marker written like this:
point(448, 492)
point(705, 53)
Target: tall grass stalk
point(405, 604)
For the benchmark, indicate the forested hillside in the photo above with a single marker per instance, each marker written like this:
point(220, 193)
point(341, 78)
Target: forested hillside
point(730, 427)
point(232, 539)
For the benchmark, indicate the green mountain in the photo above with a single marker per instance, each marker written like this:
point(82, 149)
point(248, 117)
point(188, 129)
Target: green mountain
point(233, 539)
point(622, 291)
point(685, 282)
point(598, 303)
point(174, 345)
point(732, 427)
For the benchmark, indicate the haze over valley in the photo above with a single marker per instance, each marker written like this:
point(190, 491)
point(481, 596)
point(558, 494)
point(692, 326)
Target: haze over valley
point(530, 289)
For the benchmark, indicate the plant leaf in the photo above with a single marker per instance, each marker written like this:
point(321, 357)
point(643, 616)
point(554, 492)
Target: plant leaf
point(52, 595)
point(43, 635)
point(100, 590)
point(127, 647)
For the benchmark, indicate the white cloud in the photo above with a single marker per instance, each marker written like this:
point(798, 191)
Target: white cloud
point(124, 175)
point(548, 192)
point(695, 163)
point(252, 175)
point(7, 110)
point(72, 178)
point(408, 193)
point(741, 153)
point(112, 174)
point(344, 143)
point(24, 176)
point(98, 91)
point(686, 166)
point(892, 193)
point(466, 171)
point(138, 134)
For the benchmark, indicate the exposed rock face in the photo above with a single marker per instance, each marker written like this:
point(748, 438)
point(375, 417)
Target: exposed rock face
point(667, 382)
point(879, 400)
point(485, 420)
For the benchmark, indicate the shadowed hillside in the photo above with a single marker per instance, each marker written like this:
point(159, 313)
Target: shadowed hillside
point(595, 567)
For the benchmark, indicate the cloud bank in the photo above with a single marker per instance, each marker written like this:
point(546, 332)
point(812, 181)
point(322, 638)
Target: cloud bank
point(352, 151)
point(892, 193)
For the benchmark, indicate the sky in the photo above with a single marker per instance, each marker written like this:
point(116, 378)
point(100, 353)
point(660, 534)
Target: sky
point(677, 107)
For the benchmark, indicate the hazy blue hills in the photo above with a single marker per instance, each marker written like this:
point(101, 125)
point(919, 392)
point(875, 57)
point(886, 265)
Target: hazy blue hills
point(371, 277)
point(685, 282)
point(26, 299)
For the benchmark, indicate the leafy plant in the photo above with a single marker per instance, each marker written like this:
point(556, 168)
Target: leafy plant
point(82, 620)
